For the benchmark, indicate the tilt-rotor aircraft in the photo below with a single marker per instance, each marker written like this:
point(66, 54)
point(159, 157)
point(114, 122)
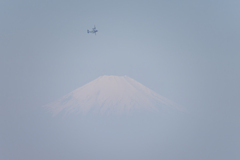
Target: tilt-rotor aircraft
point(93, 30)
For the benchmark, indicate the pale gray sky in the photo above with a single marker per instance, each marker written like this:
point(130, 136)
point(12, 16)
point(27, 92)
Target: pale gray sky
point(187, 51)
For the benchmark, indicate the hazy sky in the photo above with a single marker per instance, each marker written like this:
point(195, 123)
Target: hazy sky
point(187, 51)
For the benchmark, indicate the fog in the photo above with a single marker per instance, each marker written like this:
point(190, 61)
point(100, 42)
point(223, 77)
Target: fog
point(120, 137)
point(186, 51)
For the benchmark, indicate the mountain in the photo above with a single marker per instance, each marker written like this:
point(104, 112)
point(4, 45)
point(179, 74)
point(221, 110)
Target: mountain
point(112, 95)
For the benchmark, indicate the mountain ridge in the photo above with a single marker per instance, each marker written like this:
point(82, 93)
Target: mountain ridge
point(111, 95)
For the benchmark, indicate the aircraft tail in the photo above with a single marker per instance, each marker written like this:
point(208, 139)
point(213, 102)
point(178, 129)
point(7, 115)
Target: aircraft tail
point(87, 31)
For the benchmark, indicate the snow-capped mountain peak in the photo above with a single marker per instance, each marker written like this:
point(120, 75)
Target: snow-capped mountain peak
point(111, 95)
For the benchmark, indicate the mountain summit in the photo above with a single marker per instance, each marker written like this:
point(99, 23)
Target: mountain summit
point(111, 95)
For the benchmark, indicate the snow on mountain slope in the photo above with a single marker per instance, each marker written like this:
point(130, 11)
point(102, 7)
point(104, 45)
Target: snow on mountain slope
point(111, 95)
